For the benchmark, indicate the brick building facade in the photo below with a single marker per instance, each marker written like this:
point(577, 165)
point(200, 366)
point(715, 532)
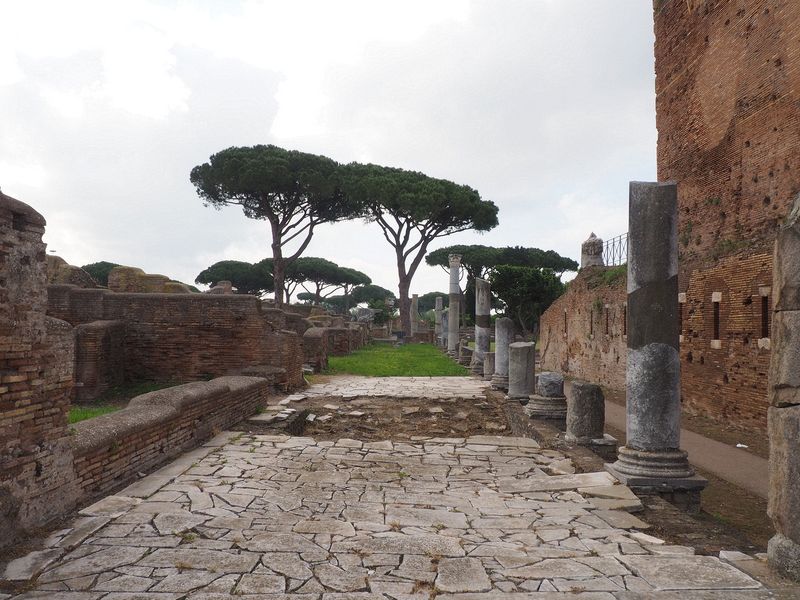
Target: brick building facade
point(728, 119)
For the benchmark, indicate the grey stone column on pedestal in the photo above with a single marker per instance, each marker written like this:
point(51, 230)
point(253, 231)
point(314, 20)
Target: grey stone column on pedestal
point(521, 364)
point(652, 455)
point(783, 423)
point(586, 413)
point(454, 308)
point(437, 321)
point(503, 335)
point(482, 325)
point(488, 366)
point(414, 314)
point(549, 401)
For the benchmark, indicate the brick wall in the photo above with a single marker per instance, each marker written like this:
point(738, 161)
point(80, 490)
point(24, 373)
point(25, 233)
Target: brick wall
point(722, 377)
point(727, 96)
point(187, 336)
point(110, 450)
point(99, 358)
point(582, 334)
point(35, 379)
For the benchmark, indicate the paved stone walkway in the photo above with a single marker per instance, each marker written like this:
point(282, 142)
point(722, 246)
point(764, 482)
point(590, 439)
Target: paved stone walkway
point(289, 518)
point(429, 388)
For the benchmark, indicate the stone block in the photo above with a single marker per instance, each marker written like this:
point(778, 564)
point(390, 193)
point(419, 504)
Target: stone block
point(550, 384)
point(784, 376)
point(784, 470)
point(520, 370)
point(784, 556)
point(586, 412)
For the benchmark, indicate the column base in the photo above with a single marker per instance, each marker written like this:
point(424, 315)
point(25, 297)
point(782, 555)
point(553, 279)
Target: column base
point(500, 382)
point(783, 555)
point(665, 470)
point(543, 407)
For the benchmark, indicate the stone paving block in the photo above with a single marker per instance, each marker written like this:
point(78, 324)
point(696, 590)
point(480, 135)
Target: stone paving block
point(30, 565)
point(110, 506)
point(676, 572)
point(462, 575)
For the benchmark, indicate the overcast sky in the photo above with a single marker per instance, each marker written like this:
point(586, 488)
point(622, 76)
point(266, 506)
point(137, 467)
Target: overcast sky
point(546, 107)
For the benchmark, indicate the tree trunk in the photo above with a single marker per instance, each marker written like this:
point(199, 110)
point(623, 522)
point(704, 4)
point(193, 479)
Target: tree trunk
point(278, 266)
point(405, 304)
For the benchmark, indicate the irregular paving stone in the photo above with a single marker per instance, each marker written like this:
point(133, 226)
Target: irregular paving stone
point(621, 520)
point(329, 526)
point(279, 542)
point(217, 560)
point(417, 544)
point(551, 567)
point(30, 565)
point(96, 562)
point(259, 583)
point(676, 572)
point(110, 506)
point(339, 579)
point(287, 563)
point(177, 522)
point(462, 575)
point(424, 517)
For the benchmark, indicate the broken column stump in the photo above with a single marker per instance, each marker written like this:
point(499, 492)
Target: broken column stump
point(521, 364)
point(549, 401)
point(503, 335)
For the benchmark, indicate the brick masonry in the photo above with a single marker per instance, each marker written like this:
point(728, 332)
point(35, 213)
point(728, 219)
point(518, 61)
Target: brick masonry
point(727, 96)
point(184, 336)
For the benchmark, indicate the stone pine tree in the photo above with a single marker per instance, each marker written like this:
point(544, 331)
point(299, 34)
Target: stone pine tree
point(412, 210)
point(247, 278)
point(480, 262)
point(293, 191)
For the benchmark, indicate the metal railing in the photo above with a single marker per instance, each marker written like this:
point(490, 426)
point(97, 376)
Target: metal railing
point(615, 250)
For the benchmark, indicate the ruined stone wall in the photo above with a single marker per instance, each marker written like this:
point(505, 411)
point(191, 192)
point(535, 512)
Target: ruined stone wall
point(727, 92)
point(582, 334)
point(99, 358)
point(187, 336)
point(156, 427)
point(36, 364)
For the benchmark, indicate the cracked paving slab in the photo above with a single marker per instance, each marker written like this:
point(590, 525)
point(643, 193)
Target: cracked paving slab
point(292, 518)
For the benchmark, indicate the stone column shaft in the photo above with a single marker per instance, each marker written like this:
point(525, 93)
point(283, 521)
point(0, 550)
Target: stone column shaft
point(437, 321)
point(521, 364)
point(652, 455)
point(445, 328)
point(503, 336)
point(454, 306)
point(488, 366)
point(783, 423)
point(482, 324)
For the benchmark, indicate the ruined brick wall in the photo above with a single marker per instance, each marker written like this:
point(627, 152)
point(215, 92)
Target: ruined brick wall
point(35, 380)
point(187, 336)
point(582, 334)
point(727, 96)
point(99, 358)
point(154, 428)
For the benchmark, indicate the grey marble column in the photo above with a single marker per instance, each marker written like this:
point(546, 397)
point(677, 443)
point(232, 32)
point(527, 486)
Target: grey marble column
point(652, 456)
point(414, 314)
point(503, 336)
point(586, 413)
point(521, 364)
point(437, 321)
point(454, 308)
point(483, 331)
point(783, 551)
point(445, 327)
point(549, 401)
point(488, 366)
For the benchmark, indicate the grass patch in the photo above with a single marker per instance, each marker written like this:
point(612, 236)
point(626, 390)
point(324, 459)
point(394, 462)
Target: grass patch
point(114, 399)
point(407, 360)
point(81, 413)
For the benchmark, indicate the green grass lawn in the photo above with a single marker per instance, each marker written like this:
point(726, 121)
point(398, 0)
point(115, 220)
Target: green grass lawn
point(114, 399)
point(423, 360)
point(81, 413)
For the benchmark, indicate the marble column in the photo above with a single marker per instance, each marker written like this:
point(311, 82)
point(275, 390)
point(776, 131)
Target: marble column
point(549, 401)
point(483, 331)
point(586, 413)
point(454, 307)
point(521, 364)
point(503, 336)
point(445, 327)
point(437, 321)
point(414, 314)
point(652, 456)
point(783, 422)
